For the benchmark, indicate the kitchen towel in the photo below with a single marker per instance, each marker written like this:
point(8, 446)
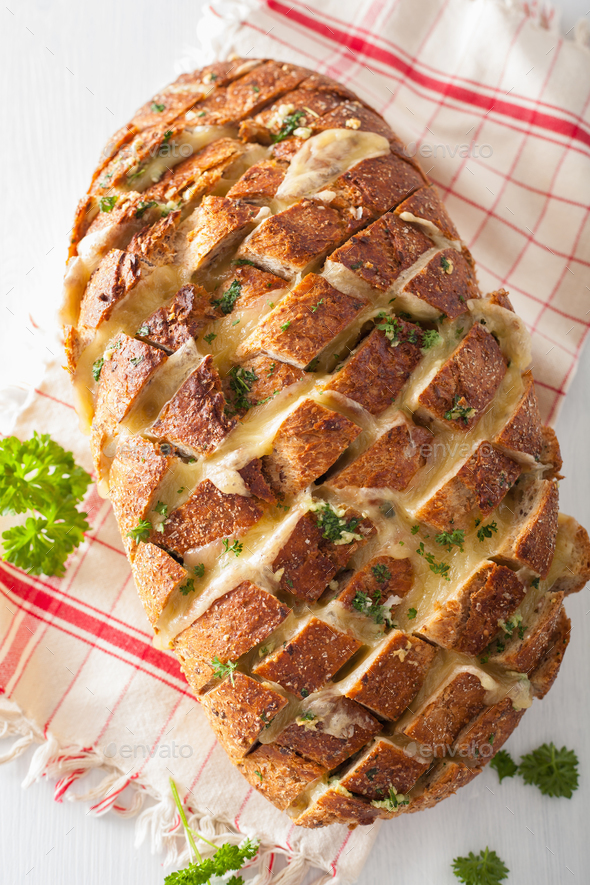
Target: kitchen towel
point(493, 103)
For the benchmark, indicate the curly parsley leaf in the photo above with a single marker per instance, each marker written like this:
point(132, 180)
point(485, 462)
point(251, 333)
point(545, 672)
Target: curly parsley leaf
point(486, 531)
point(240, 383)
point(460, 410)
point(372, 608)
point(235, 548)
point(141, 531)
point(221, 670)
point(36, 473)
point(484, 868)
point(107, 204)
point(381, 573)
point(430, 338)
point(448, 540)
point(227, 858)
point(504, 765)
point(553, 771)
point(42, 545)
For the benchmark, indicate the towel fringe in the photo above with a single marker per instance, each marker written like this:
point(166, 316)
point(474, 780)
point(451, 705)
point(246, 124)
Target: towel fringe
point(159, 823)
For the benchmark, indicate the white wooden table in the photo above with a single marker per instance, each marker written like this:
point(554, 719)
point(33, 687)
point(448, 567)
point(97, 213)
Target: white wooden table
point(72, 74)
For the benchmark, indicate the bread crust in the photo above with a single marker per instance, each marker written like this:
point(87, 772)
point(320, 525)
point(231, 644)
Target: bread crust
point(273, 338)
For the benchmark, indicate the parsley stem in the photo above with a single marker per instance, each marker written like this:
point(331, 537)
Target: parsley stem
point(187, 829)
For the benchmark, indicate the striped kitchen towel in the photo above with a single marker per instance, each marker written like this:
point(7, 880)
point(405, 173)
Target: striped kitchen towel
point(493, 103)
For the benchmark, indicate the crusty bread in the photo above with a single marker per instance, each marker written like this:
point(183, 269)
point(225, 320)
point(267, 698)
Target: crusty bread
point(322, 443)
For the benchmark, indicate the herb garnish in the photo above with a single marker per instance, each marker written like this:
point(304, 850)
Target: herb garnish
point(157, 108)
point(221, 670)
point(439, 568)
point(228, 858)
point(334, 527)
point(188, 587)
point(227, 302)
point(485, 868)
point(372, 608)
point(235, 548)
point(107, 204)
point(141, 531)
point(241, 381)
point(40, 477)
point(460, 410)
point(142, 207)
point(381, 573)
point(486, 531)
point(553, 771)
point(97, 367)
point(290, 124)
point(504, 765)
point(448, 540)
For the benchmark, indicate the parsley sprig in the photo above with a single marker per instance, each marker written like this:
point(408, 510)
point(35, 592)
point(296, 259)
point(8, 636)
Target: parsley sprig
point(439, 568)
point(240, 382)
point(228, 858)
point(484, 868)
point(37, 476)
point(448, 540)
point(553, 771)
point(221, 670)
point(372, 608)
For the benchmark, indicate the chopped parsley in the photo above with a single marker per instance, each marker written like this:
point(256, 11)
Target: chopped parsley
point(535, 583)
point(439, 568)
point(227, 302)
point(415, 529)
point(97, 367)
point(136, 360)
point(390, 326)
point(210, 337)
point(188, 587)
point(429, 339)
point(334, 527)
point(143, 330)
point(157, 108)
point(356, 265)
point(161, 508)
point(240, 262)
point(141, 531)
point(107, 204)
point(199, 570)
point(319, 303)
point(446, 265)
point(460, 410)
point(512, 624)
point(236, 548)
point(412, 612)
point(392, 801)
point(448, 540)
point(285, 326)
point(307, 716)
point(290, 124)
point(221, 670)
point(142, 207)
point(381, 573)
point(241, 381)
point(486, 531)
point(372, 608)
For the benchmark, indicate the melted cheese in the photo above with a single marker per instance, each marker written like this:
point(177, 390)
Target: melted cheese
point(325, 157)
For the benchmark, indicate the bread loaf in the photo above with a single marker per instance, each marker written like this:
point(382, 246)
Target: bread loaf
point(321, 442)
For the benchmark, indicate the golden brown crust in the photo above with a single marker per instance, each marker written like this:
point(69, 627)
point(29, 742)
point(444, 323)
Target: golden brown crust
point(306, 444)
point(239, 712)
point(446, 283)
point(305, 321)
point(313, 739)
point(279, 774)
point(390, 463)
point(391, 678)
point(207, 516)
point(467, 382)
point(171, 326)
point(532, 541)
point(382, 256)
point(449, 710)
point(231, 626)
point(475, 491)
point(335, 807)
point(129, 365)
point(545, 673)
point(376, 373)
point(194, 419)
point(297, 666)
point(487, 732)
point(156, 577)
point(382, 766)
point(470, 618)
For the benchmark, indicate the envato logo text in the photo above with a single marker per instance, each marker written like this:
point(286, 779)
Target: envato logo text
point(141, 751)
point(471, 750)
point(473, 149)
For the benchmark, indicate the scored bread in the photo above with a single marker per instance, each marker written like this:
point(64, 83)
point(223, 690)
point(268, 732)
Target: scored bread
point(321, 442)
